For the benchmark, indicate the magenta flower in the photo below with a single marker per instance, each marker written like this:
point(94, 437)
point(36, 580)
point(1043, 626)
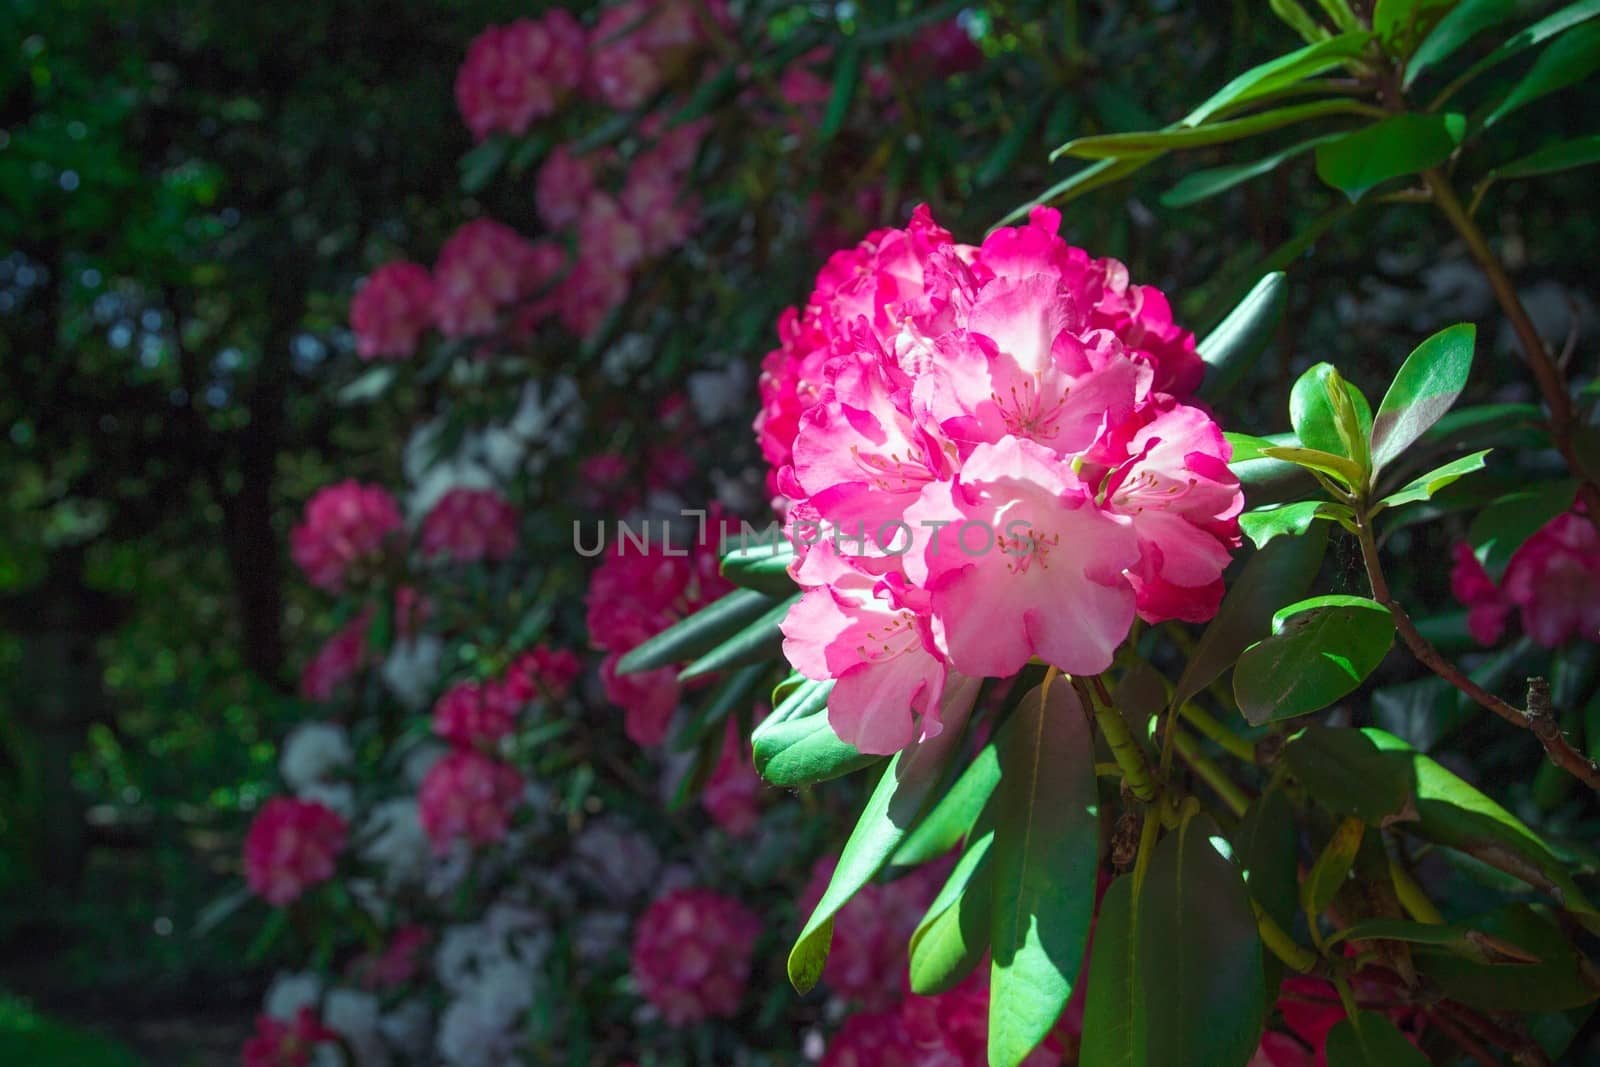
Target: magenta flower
point(1553, 581)
point(484, 268)
point(732, 796)
point(564, 183)
point(277, 1043)
point(519, 72)
point(469, 525)
point(542, 672)
point(346, 527)
point(292, 845)
point(468, 795)
point(476, 714)
point(392, 310)
point(338, 660)
point(692, 951)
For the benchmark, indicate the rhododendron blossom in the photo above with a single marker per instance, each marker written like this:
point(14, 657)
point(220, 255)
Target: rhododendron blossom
point(345, 526)
point(286, 1043)
point(292, 845)
point(637, 46)
point(519, 72)
point(732, 795)
point(692, 952)
point(338, 660)
point(392, 311)
point(468, 525)
point(484, 268)
point(563, 185)
point(476, 714)
point(1552, 580)
point(991, 466)
point(542, 672)
point(468, 795)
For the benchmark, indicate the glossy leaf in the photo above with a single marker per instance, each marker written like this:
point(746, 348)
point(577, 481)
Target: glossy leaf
point(1264, 846)
point(1261, 526)
point(950, 941)
point(1424, 486)
point(899, 798)
point(1332, 867)
point(699, 633)
point(1552, 25)
point(953, 817)
point(1046, 852)
point(1204, 184)
point(1424, 388)
point(1109, 1039)
point(734, 692)
point(764, 568)
point(1401, 23)
point(1455, 938)
point(1319, 650)
point(1371, 1040)
point(761, 640)
point(1199, 992)
point(1555, 983)
point(1180, 138)
point(1231, 348)
point(1286, 70)
point(1083, 181)
point(1347, 773)
point(1552, 159)
point(1502, 527)
point(1312, 415)
point(1393, 148)
point(1246, 448)
point(1463, 22)
point(1283, 569)
point(846, 75)
point(804, 751)
point(1340, 467)
point(1571, 58)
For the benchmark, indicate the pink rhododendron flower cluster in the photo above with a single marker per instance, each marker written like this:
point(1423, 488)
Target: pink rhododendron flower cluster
point(476, 714)
point(468, 796)
point(1553, 581)
point(986, 468)
point(292, 845)
point(345, 527)
point(392, 310)
point(280, 1043)
point(520, 72)
point(732, 795)
point(634, 595)
point(397, 963)
point(543, 672)
point(338, 660)
point(692, 951)
point(484, 268)
point(637, 46)
point(467, 525)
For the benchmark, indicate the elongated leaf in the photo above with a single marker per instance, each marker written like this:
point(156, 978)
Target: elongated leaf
point(1286, 70)
point(1264, 846)
point(1424, 388)
point(1199, 991)
point(1282, 570)
point(699, 633)
point(1179, 138)
point(1425, 485)
point(1314, 459)
point(1456, 938)
point(1332, 867)
point(1553, 158)
point(1555, 983)
point(759, 641)
point(1263, 525)
point(1347, 772)
point(1394, 148)
point(1551, 25)
point(1371, 1040)
point(1312, 415)
point(1463, 22)
point(900, 797)
point(1046, 850)
point(1108, 1036)
point(736, 691)
point(764, 568)
point(804, 751)
point(1400, 24)
point(1204, 184)
point(1570, 58)
point(1245, 448)
point(846, 75)
point(1502, 527)
point(950, 941)
point(1083, 181)
point(953, 817)
point(1320, 650)
point(1231, 348)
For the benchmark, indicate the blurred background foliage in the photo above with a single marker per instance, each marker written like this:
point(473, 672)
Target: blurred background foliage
point(190, 191)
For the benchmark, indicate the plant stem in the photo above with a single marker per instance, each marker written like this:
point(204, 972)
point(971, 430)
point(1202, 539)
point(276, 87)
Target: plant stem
point(1539, 720)
point(1129, 756)
point(1294, 955)
point(1411, 896)
point(1546, 371)
point(1225, 738)
point(1235, 798)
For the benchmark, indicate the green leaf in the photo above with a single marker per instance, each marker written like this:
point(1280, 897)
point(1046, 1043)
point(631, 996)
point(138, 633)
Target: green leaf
point(1571, 58)
point(369, 387)
point(1082, 181)
point(1108, 1036)
point(804, 750)
point(1455, 938)
point(1199, 994)
point(1502, 527)
point(1262, 525)
point(1264, 846)
point(1333, 865)
point(1551, 25)
point(1463, 22)
point(1046, 852)
point(1283, 569)
point(734, 692)
point(1204, 184)
point(1320, 650)
point(899, 798)
point(1311, 412)
point(1246, 448)
point(846, 75)
point(698, 633)
point(1179, 138)
point(1314, 459)
point(762, 567)
point(1371, 1040)
point(1286, 70)
point(1552, 159)
point(1555, 983)
point(1347, 773)
point(1393, 148)
point(1232, 348)
point(953, 817)
point(479, 166)
point(1424, 486)
point(950, 941)
point(760, 641)
point(1425, 387)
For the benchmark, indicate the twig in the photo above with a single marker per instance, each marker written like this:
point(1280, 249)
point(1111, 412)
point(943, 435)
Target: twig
point(1234, 797)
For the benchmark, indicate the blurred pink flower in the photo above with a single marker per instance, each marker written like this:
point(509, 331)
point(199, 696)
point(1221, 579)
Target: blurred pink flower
point(397, 963)
point(1552, 580)
point(292, 845)
point(692, 952)
point(732, 796)
point(563, 185)
point(469, 525)
point(286, 1044)
point(337, 661)
point(391, 311)
point(476, 714)
point(345, 527)
point(542, 672)
point(483, 268)
point(519, 72)
point(468, 795)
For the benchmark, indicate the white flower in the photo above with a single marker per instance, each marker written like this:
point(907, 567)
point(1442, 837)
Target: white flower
point(720, 394)
point(408, 1028)
point(482, 1027)
point(289, 992)
point(412, 670)
point(392, 838)
point(355, 1016)
point(313, 752)
point(616, 859)
point(335, 796)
